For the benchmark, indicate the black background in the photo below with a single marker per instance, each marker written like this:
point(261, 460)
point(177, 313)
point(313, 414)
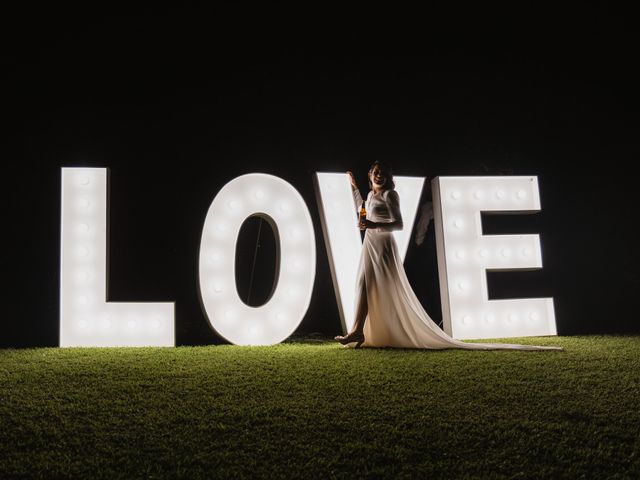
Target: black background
point(177, 102)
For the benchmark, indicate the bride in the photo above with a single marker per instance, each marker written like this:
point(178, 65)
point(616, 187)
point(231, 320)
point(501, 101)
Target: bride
point(388, 313)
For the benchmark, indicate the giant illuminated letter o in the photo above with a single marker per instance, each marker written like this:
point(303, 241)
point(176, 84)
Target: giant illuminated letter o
point(281, 205)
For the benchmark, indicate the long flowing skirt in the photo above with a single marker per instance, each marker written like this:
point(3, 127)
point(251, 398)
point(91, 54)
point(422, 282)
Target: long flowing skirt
point(395, 316)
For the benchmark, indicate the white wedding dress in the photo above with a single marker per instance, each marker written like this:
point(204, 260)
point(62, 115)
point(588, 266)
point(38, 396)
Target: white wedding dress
point(395, 316)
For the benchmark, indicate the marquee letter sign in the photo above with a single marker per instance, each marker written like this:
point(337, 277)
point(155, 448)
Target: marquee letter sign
point(342, 235)
point(86, 318)
point(464, 257)
point(465, 254)
point(281, 205)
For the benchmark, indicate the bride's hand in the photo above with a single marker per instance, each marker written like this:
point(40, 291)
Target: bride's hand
point(353, 180)
point(364, 224)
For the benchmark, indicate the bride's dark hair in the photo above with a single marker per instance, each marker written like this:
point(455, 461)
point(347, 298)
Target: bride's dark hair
point(388, 173)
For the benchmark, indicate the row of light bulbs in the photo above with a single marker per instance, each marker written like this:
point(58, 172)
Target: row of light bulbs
point(456, 195)
point(89, 324)
point(513, 319)
point(84, 301)
point(504, 252)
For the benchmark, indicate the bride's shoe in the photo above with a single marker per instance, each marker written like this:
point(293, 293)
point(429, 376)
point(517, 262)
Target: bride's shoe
point(352, 337)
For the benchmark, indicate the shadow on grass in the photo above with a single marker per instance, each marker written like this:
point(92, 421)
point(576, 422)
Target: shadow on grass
point(310, 339)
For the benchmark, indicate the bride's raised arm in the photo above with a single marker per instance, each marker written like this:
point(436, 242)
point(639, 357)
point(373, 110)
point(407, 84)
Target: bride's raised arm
point(357, 198)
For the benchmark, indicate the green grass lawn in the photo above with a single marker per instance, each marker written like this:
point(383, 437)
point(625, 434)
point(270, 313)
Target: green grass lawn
point(312, 409)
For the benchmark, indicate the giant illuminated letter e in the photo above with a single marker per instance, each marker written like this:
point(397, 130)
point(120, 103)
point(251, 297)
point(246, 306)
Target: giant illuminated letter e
point(465, 255)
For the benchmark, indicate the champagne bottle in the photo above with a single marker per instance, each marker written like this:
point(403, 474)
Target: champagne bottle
point(363, 214)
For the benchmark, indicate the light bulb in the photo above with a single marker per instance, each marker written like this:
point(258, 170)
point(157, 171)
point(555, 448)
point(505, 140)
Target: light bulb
point(155, 324)
point(259, 194)
point(455, 195)
point(462, 286)
point(233, 205)
point(513, 318)
point(521, 194)
point(218, 288)
point(83, 324)
point(483, 252)
point(505, 252)
point(460, 254)
point(533, 316)
point(294, 233)
point(284, 207)
point(526, 252)
point(83, 227)
point(458, 224)
point(467, 320)
point(499, 194)
point(490, 318)
point(478, 194)
point(84, 180)
point(131, 324)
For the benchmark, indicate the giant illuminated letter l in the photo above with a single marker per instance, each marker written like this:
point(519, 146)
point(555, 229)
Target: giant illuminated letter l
point(86, 318)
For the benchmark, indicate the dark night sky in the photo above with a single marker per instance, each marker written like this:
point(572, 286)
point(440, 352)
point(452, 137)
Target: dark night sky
point(178, 102)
